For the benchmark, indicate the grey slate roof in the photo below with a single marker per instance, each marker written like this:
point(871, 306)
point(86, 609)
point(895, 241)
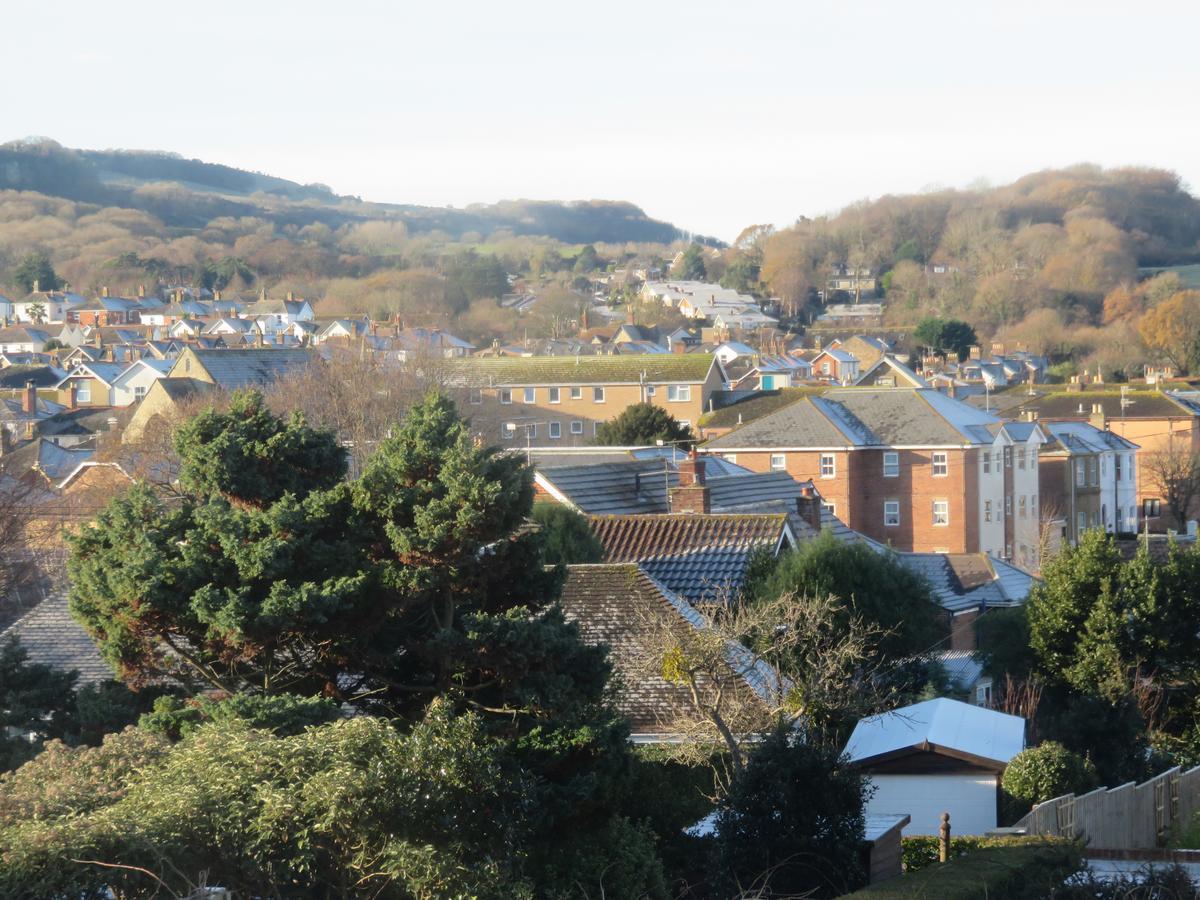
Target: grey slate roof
point(233, 369)
point(963, 581)
point(864, 417)
point(708, 575)
point(56, 462)
point(640, 486)
point(962, 668)
point(53, 638)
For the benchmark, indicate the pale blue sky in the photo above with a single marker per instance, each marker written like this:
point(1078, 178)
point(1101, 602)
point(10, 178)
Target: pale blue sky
point(710, 115)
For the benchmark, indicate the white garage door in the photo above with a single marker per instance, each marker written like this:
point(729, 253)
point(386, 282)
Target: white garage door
point(970, 800)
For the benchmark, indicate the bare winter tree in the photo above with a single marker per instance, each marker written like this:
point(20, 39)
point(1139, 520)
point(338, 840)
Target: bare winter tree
point(741, 667)
point(1175, 472)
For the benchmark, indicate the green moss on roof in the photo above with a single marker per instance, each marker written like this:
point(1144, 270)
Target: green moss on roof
point(757, 407)
point(554, 370)
point(1145, 404)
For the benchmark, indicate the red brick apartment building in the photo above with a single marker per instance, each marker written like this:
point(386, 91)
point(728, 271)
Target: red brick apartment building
point(908, 467)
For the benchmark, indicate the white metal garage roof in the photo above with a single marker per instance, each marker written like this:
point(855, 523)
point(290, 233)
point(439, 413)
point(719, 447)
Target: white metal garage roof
point(939, 724)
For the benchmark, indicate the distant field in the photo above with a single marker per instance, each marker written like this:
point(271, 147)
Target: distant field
point(1190, 275)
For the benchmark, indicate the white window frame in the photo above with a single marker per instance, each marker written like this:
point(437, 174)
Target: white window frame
point(891, 464)
point(778, 462)
point(555, 394)
point(507, 431)
point(475, 396)
point(597, 395)
point(1020, 457)
point(987, 510)
point(1080, 473)
point(529, 395)
point(1022, 507)
point(891, 513)
point(556, 430)
point(505, 396)
point(576, 392)
point(940, 459)
point(987, 462)
point(595, 428)
point(679, 393)
point(943, 513)
point(531, 431)
point(83, 392)
point(827, 461)
point(576, 426)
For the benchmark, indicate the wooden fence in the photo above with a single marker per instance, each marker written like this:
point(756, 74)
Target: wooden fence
point(1129, 817)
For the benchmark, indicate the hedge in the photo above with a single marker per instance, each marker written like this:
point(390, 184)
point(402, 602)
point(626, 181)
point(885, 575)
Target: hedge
point(1005, 869)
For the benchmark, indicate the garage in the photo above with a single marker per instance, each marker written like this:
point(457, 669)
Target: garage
point(940, 756)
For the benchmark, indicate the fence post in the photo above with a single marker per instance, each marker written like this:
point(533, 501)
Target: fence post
point(944, 838)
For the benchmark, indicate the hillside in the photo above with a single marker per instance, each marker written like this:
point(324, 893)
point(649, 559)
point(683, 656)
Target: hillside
point(1066, 261)
point(189, 193)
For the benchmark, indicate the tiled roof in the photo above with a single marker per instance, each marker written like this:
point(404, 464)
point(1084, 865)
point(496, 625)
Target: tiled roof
point(708, 575)
point(963, 581)
point(847, 417)
point(961, 667)
point(757, 406)
point(106, 372)
point(630, 538)
point(653, 369)
point(56, 462)
point(609, 603)
point(53, 638)
point(182, 388)
point(23, 334)
point(641, 486)
point(1084, 437)
point(233, 369)
point(41, 376)
point(1158, 545)
point(1140, 404)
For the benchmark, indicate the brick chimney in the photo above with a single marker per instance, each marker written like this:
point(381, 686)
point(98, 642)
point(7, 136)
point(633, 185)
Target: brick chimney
point(677, 346)
point(808, 505)
point(72, 395)
point(104, 291)
point(1098, 419)
point(691, 495)
point(29, 399)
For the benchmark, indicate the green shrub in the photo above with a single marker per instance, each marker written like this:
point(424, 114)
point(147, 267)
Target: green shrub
point(1042, 773)
point(921, 851)
point(1005, 869)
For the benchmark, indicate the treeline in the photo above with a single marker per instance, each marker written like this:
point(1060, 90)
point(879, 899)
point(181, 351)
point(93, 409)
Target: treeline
point(188, 193)
point(1031, 261)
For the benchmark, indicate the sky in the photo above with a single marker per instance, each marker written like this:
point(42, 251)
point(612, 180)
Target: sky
point(712, 116)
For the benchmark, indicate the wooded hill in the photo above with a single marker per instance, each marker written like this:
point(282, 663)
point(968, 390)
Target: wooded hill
point(190, 193)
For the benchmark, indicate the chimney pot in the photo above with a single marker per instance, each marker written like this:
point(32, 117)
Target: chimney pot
point(808, 506)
